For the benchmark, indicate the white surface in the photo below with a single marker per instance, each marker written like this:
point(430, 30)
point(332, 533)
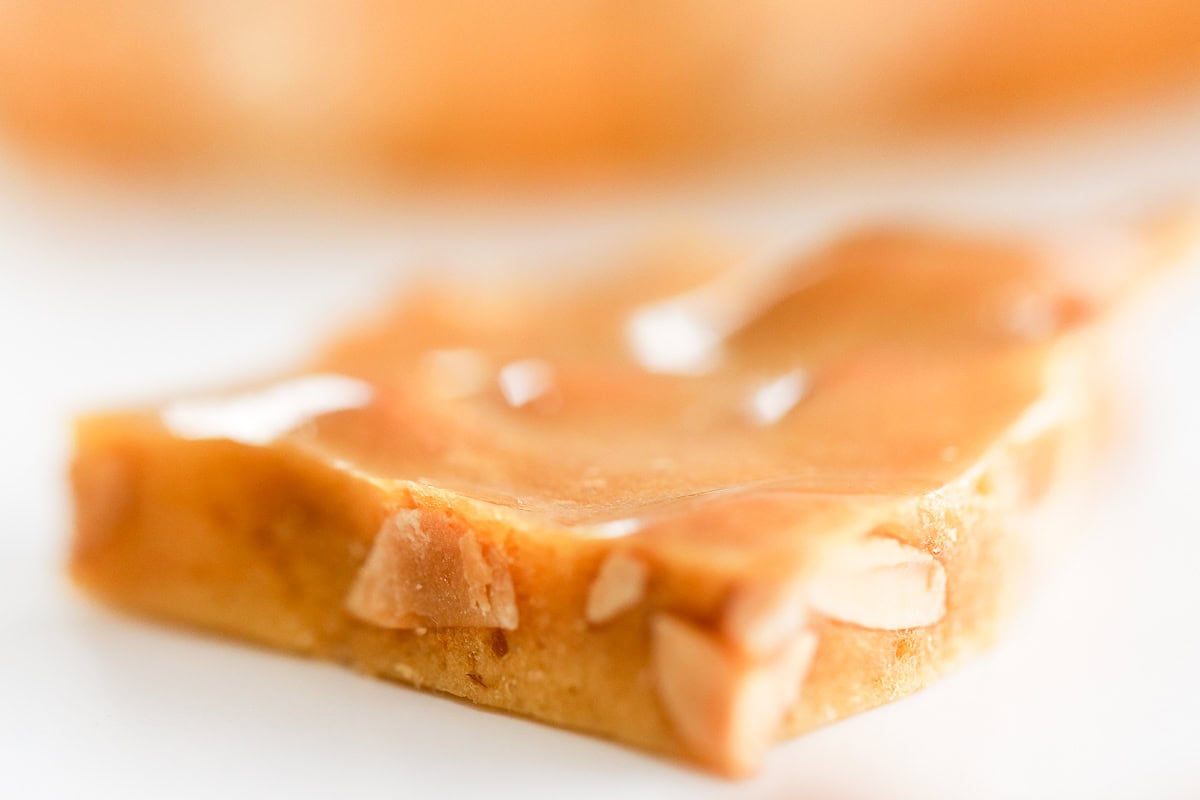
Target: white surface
point(1094, 695)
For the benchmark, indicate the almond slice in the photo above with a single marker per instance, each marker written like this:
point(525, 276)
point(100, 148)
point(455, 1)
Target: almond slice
point(881, 583)
point(761, 618)
point(427, 569)
point(725, 706)
point(618, 586)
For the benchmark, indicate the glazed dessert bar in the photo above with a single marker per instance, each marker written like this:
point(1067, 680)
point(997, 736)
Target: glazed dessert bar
point(685, 505)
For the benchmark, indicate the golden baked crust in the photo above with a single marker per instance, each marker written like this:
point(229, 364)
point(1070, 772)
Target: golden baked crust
point(817, 499)
point(410, 87)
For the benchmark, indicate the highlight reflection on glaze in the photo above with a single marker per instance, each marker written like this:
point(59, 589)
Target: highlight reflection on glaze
point(772, 401)
point(616, 528)
point(685, 334)
point(522, 382)
point(673, 338)
point(263, 415)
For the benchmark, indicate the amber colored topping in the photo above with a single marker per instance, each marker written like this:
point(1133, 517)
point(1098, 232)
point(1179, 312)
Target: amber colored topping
point(882, 365)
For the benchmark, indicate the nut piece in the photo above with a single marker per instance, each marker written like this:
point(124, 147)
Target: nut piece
point(725, 706)
point(761, 618)
point(427, 569)
point(618, 586)
point(883, 584)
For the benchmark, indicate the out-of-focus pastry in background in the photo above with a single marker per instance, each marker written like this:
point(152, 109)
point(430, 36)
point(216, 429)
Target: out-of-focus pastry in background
point(411, 88)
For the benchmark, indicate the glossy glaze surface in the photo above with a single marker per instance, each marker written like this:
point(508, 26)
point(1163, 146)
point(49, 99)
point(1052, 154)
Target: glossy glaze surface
point(697, 394)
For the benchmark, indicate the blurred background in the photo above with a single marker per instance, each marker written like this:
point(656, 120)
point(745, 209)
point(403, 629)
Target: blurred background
point(200, 192)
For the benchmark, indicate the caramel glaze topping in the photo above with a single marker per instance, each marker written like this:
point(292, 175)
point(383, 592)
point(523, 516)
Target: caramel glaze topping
point(725, 412)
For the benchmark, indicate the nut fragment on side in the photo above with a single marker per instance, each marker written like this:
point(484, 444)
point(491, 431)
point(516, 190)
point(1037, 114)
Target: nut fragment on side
point(881, 583)
point(761, 618)
point(618, 586)
point(725, 707)
point(427, 569)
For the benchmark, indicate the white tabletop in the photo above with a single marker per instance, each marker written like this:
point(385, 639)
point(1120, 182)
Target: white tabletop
point(112, 299)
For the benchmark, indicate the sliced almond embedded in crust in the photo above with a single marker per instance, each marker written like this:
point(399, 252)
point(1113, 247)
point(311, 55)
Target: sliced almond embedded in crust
point(761, 618)
point(618, 586)
point(881, 583)
point(725, 706)
point(427, 569)
point(489, 586)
